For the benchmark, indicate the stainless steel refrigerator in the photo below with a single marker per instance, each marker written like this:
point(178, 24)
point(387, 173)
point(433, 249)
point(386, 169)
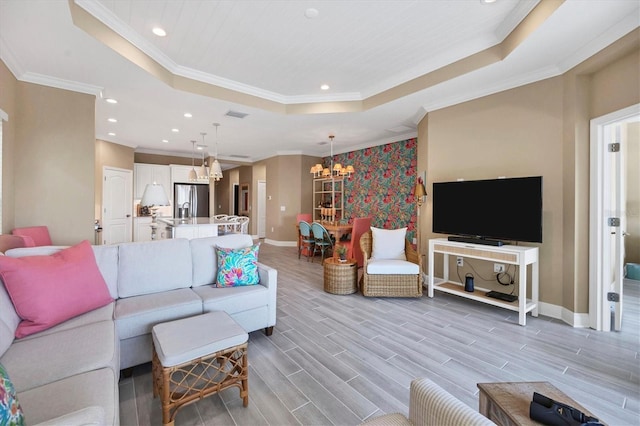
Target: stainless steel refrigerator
point(194, 197)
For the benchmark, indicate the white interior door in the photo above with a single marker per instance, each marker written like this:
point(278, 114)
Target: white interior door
point(117, 205)
point(262, 209)
point(608, 218)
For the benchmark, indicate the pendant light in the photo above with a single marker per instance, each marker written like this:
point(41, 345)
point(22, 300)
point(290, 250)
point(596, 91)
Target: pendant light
point(193, 176)
point(203, 173)
point(216, 170)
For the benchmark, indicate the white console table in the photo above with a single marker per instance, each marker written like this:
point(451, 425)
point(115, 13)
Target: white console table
point(513, 255)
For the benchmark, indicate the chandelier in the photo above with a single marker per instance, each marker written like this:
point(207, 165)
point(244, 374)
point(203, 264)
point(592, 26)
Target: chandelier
point(335, 170)
point(216, 170)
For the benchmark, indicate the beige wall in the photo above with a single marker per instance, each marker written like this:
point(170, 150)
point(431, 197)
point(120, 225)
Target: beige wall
point(513, 133)
point(541, 128)
point(54, 162)
point(289, 184)
point(8, 96)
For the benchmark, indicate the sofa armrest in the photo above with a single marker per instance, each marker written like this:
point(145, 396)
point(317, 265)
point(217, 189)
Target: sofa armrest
point(429, 404)
point(268, 275)
point(269, 279)
point(93, 415)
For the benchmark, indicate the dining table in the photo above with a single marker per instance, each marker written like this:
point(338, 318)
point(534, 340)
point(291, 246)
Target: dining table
point(334, 228)
point(337, 229)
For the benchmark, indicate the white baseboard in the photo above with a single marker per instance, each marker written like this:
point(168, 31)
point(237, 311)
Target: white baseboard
point(280, 243)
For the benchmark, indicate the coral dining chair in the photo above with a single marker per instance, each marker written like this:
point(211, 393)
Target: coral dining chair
point(303, 217)
point(360, 226)
point(39, 234)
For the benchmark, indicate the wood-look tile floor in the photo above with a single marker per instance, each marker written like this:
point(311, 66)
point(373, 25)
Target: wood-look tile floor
point(342, 359)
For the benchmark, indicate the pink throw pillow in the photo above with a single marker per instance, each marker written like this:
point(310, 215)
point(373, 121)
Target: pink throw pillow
point(48, 290)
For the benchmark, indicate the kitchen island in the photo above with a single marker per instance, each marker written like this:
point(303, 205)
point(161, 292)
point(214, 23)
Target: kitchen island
point(195, 227)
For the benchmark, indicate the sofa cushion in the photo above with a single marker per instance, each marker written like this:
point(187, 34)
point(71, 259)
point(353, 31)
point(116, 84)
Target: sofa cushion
point(10, 410)
point(232, 299)
point(167, 266)
point(97, 388)
point(104, 313)
point(47, 290)
point(137, 315)
point(35, 362)
point(204, 255)
point(237, 267)
point(388, 243)
point(392, 266)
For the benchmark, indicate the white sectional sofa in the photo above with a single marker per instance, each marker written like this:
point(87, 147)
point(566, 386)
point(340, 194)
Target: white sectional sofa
point(69, 373)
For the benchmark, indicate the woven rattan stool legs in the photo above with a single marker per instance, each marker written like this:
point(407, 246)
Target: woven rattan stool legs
point(183, 384)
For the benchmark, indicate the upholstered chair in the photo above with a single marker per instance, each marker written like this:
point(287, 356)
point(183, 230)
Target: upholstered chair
point(39, 234)
point(360, 226)
point(392, 267)
point(429, 404)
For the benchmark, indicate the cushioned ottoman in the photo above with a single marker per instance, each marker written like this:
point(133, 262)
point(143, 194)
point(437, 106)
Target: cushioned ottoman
point(196, 357)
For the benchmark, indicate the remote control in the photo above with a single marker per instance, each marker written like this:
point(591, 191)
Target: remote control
point(502, 296)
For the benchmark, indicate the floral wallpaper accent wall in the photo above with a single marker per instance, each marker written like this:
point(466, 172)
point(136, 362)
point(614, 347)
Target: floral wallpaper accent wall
point(383, 184)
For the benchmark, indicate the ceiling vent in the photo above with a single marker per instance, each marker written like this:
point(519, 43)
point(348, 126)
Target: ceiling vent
point(239, 156)
point(236, 114)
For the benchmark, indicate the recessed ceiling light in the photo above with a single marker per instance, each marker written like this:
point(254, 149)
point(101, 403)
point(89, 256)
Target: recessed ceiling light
point(324, 87)
point(111, 134)
point(165, 141)
point(111, 101)
point(159, 32)
point(188, 115)
point(112, 120)
point(487, 1)
point(311, 13)
point(175, 130)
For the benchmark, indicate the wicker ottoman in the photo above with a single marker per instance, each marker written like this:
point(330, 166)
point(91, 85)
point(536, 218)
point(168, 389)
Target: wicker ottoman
point(340, 277)
point(196, 357)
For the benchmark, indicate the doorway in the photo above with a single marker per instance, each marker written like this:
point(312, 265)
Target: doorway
point(117, 205)
point(611, 136)
point(262, 209)
point(236, 199)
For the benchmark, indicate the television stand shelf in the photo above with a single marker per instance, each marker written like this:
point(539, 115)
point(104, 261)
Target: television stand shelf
point(513, 255)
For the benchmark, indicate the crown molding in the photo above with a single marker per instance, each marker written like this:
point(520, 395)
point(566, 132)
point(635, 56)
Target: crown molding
point(601, 41)
point(74, 86)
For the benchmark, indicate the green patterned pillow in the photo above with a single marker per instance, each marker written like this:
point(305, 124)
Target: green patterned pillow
point(237, 267)
point(10, 411)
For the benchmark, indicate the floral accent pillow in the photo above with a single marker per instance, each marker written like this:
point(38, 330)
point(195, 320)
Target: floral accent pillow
point(237, 267)
point(10, 411)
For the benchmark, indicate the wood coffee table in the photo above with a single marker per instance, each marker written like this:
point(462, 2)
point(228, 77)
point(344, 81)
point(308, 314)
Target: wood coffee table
point(507, 403)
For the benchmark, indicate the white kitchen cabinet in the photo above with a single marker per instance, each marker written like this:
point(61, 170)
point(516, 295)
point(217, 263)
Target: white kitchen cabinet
point(142, 228)
point(180, 174)
point(145, 174)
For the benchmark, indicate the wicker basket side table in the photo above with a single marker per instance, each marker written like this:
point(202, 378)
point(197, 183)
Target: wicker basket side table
point(340, 277)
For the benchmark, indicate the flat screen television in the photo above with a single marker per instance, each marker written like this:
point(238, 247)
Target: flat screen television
point(489, 211)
